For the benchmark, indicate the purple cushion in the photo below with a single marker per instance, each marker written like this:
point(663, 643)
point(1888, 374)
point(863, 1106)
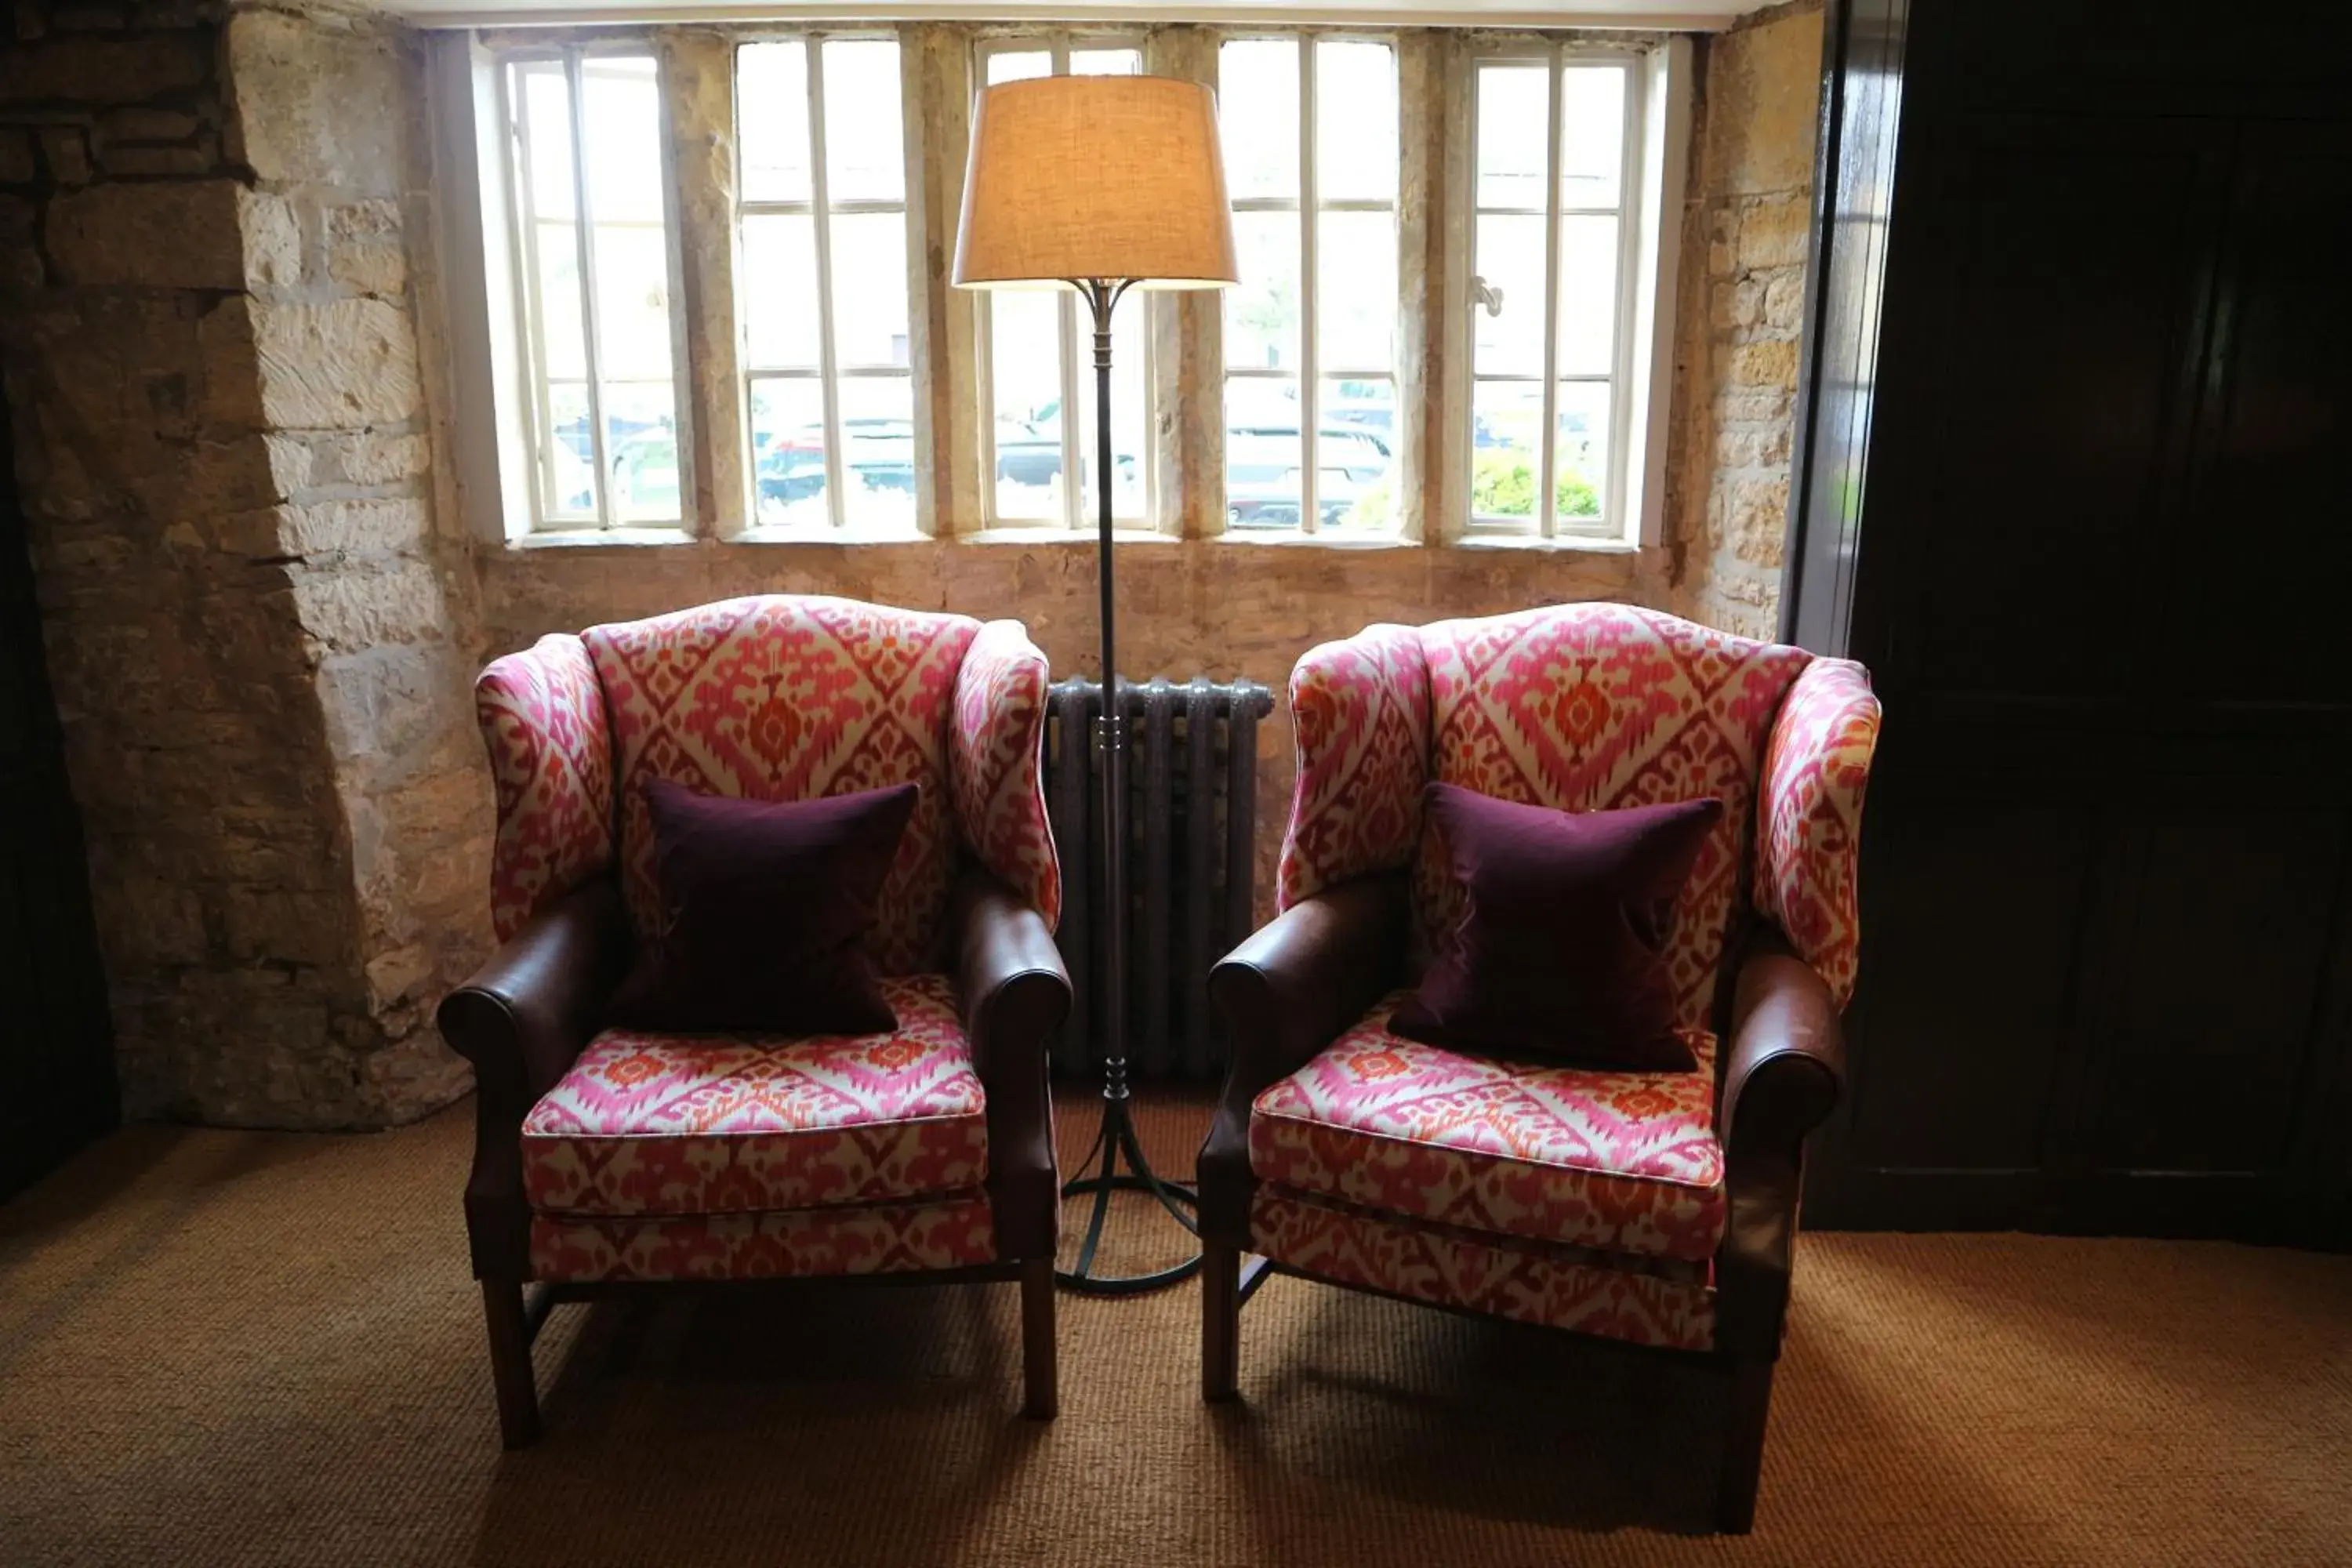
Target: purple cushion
point(764, 909)
point(1561, 953)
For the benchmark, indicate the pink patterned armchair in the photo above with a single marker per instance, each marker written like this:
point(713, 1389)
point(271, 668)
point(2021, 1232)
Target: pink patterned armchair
point(1658, 1208)
point(606, 1155)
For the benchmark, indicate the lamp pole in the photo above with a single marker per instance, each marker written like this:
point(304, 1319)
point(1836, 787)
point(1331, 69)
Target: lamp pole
point(1118, 1139)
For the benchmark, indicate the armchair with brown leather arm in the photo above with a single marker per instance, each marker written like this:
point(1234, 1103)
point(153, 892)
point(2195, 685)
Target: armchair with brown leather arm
point(609, 1156)
point(1658, 1208)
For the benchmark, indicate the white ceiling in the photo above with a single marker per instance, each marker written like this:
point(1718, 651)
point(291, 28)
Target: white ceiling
point(1658, 14)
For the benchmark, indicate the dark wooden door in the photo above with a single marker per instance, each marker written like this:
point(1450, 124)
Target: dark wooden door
point(2097, 572)
point(56, 1053)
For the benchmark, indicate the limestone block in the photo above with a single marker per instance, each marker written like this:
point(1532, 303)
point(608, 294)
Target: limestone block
point(67, 152)
point(1756, 519)
point(382, 457)
point(318, 100)
point(1763, 87)
point(150, 161)
point(367, 267)
point(1764, 364)
point(15, 157)
point(344, 527)
point(1736, 304)
point(225, 339)
point(1784, 299)
point(93, 70)
point(1774, 233)
point(145, 124)
point(171, 235)
point(341, 365)
point(354, 606)
point(273, 240)
point(21, 268)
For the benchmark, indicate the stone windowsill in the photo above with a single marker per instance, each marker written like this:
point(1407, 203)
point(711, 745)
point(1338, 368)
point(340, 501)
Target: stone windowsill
point(629, 538)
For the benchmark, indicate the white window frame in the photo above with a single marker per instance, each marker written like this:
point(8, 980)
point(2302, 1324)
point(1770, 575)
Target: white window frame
point(1310, 207)
point(819, 205)
point(1618, 519)
point(536, 414)
point(1077, 339)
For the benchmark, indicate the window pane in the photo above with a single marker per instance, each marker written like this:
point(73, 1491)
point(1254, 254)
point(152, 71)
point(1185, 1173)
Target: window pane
point(633, 319)
point(1514, 117)
point(1019, 65)
point(1026, 379)
point(1355, 121)
point(573, 454)
point(621, 115)
point(1588, 295)
point(863, 158)
point(546, 111)
point(641, 450)
point(1258, 112)
point(1106, 62)
point(771, 114)
point(559, 300)
point(1262, 312)
point(1355, 314)
point(877, 447)
point(1262, 447)
point(788, 450)
point(1581, 460)
point(1510, 257)
point(869, 289)
point(1127, 423)
point(778, 292)
point(1355, 457)
point(1506, 419)
point(1591, 135)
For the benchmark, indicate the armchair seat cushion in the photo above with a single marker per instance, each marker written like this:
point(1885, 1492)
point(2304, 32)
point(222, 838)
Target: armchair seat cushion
point(648, 1123)
point(1620, 1161)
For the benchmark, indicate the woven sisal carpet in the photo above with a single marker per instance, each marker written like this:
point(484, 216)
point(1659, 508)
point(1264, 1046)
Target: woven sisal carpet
point(238, 1348)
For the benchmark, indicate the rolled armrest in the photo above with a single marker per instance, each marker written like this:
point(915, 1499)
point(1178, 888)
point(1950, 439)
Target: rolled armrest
point(522, 1021)
point(525, 1015)
point(1016, 993)
point(1785, 1072)
point(1285, 993)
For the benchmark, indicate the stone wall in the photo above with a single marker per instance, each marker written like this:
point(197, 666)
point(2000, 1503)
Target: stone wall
point(211, 368)
point(1743, 305)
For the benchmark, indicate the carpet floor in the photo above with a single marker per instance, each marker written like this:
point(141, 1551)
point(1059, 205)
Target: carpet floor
point(248, 1348)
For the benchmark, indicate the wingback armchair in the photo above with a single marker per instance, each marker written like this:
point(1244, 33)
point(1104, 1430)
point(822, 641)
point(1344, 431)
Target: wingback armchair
point(607, 1156)
point(1658, 1208)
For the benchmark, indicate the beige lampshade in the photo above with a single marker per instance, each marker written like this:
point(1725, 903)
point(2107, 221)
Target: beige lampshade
point(1096, 176)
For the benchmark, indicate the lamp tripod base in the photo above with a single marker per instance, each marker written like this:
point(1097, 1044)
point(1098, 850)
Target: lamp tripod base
point(1117, 1141)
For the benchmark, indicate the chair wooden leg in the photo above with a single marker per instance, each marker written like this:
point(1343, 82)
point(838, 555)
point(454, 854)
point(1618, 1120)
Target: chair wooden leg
point(1040, 1357)
point(1743, 1450)
point(502, 1307)
point(1221, 1323)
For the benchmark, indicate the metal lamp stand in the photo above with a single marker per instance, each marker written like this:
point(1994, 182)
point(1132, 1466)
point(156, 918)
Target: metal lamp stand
point(1117, 1140)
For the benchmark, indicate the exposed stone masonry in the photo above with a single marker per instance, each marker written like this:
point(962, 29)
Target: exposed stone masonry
point(218, 323)
point(223, 455)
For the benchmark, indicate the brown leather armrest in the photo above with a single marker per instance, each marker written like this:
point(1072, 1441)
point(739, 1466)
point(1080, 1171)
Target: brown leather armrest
point(1015, 993)
point(522, 1020)
point(1285, 993)
point(1785, 1072)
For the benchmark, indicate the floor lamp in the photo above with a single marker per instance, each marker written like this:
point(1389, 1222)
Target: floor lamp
point(1101, 184)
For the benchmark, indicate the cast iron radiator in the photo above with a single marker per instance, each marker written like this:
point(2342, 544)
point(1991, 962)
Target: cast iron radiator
point(1192, 815)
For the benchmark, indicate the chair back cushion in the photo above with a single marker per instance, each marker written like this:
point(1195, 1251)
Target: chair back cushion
point(1586, 706)
point(1360, 711)
point(787, 698)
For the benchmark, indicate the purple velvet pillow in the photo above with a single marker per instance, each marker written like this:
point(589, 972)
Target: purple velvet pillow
point(764, 909)
point(1561, 953)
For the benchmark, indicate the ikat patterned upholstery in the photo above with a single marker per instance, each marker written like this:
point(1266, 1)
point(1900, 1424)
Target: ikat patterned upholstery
point(1583, 708)
point(1620, 1161)
point(1504, 1276)
point(781, 698)
point(650, 1123)
point(953, 1232)
point(551, 750)
point(995, 763)
point(1810, 828)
